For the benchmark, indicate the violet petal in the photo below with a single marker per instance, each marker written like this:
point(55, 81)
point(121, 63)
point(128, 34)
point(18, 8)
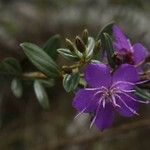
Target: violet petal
point(98, 75)
point(84, 99)
point(124, 74)
point(139, 53)
point(123, 110)
point(105, 117)
point(120, 38)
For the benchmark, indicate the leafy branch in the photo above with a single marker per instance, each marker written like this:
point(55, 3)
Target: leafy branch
point(78, 53)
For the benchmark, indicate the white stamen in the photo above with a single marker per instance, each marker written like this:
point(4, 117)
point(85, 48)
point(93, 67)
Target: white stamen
point(80, 113)
point(97, 110)
point(114, 101)
point(122, 82)
point(128, 91)
point(128, 107)
point(142, 82)
point(92, 89)
point(104, 103)
point(144, 102)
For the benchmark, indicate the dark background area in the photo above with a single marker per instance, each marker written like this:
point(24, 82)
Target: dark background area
point(24, 125)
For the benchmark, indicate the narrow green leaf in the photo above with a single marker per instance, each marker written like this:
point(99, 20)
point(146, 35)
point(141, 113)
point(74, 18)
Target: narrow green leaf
point(40, 59)
point(67, 54)
point(41, 94)
point(105, 29)
point(47, 83)
point(80, 45)
point(144, 94)
point(70, 81)
point(90, 46)
point(85, 36)
point(109, 49)
point(10, 66)
point(73, 49)
point(16, 87)
point(52, 45)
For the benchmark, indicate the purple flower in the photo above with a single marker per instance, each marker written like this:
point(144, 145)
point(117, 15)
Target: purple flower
point(107, 93)
point(125, 52)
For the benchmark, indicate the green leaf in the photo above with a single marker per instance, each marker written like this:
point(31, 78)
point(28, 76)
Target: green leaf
point(90, 46)
point(52, 45)
point(16, 87)
point(47, 83)
point(109, 49)
point(41, 94)
point(40, 59)
point(144, 94)
point(82, 83)
point(105, 29)
point(70, 81)
point(10, 66)
point(67, 54)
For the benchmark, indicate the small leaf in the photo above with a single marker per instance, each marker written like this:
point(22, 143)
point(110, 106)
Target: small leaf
point(109, 49)
point(80, 44)
point(97, 49)
point(10, 66)
point(90, 46)
point(144, 94)
point(82, 83)
point(70, 81)
point(67, 54)
point(105, 29)
point(16, 87)
point(95, 61)
point(41, 94)
point(85, 36)
point(52, 45)
point(47, 83)
point(73, 49)
point(40, 59)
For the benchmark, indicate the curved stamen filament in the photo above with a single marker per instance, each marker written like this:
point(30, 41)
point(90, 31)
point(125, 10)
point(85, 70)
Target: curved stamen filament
point(80, 113)
point(124, 82)
point(92, 89)
point(104, 88)
point(142, 82)
point(98, 92)
point(126, 91)
point(114, 101)
point(128, 107)
point(144, 102)
point(103, 103)
point(97, 110)
point(99, 88)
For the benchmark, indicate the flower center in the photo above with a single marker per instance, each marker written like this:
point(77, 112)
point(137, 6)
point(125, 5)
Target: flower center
point(111, 95)
point(122, 58)
point(108, 95)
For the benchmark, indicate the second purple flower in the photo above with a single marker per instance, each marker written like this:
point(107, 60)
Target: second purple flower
point(127, 53)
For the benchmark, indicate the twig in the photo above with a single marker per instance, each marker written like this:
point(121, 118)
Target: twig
point(32, 75)
point(95, 136)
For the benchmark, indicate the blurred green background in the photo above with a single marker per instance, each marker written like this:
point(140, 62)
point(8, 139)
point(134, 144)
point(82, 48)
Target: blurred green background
point(24, 125)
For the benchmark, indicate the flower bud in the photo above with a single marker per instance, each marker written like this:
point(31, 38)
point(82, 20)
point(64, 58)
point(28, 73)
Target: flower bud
point(70, 45)
point(67, 70)
point(85, 35)
point(80, 45)
point(97, 46)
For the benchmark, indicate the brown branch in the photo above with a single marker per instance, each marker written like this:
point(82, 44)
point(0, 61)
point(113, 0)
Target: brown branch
point(99, 135)
point(32, 75)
